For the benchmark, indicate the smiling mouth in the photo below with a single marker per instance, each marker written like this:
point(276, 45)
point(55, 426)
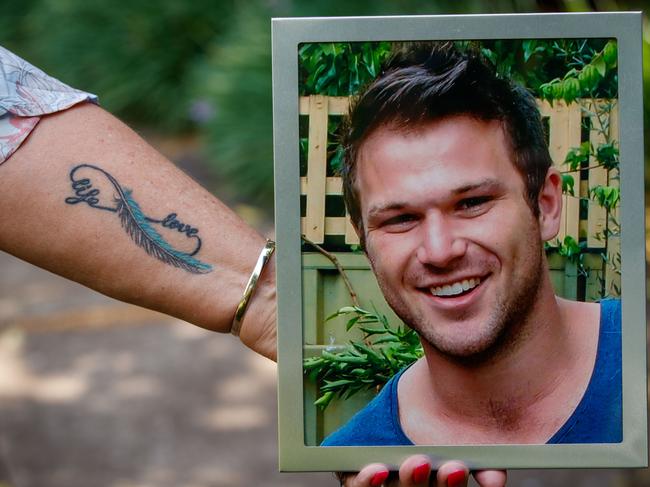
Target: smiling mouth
point(455, 289)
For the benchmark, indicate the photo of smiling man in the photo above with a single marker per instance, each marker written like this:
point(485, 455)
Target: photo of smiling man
point(451, 189)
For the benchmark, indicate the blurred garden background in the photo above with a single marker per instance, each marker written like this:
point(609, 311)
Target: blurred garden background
point(94, 392)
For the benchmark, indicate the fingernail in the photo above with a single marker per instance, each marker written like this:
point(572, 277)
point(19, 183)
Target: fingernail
point(421, 473)
point(456, 479)
point(379, 478)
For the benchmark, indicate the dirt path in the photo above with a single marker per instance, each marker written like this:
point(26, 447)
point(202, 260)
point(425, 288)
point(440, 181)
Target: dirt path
point(94, 392)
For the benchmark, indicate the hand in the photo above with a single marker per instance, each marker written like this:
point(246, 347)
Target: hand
point(416, 471)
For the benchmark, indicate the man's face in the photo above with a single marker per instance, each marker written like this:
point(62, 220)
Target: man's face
point(456, 248)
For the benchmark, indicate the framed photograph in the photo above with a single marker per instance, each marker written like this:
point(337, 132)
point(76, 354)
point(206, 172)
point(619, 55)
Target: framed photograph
point(460, 227)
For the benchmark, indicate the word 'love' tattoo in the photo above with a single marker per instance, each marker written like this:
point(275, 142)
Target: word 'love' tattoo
point(136, 224)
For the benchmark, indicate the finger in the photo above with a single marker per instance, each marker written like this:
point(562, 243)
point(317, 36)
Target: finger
point(373, 475)
point(491, 478)
point(415, 471)
point(452, 474)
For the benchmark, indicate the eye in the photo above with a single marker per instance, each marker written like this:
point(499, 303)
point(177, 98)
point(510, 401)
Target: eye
point(399, 223)
point(474, 204)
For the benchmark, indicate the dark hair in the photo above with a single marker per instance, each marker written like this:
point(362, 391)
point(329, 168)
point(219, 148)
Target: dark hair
point(426, 82)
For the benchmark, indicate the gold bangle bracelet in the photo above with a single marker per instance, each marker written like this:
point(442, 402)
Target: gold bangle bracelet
point(264, 257)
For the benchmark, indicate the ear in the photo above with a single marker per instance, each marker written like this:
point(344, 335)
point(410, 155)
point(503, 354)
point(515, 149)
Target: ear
point(550, 205)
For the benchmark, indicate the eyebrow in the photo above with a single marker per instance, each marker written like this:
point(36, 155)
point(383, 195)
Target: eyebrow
point(487, 184)
point(379, 209)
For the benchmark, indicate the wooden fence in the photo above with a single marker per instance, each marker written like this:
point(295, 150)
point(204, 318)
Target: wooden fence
point(565, 132)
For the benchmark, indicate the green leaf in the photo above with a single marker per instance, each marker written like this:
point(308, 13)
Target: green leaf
point(336, 163)
point(570, 248)
point(371, 354)
point(610, 54)
point(328, 49)
point(388, 339)
point(607, 155)
point(490, 55)
point(351, 322)
point(529, 48)
point(589, 78)
point(312, 79)
point(546, 91)
point(599, 63)
point(606, 196)
point(324, 400)
point(568, 184)
point(341, 311)
point(330, 385)
point(572, 73)
point(557, 90)
point(326, 78)
point(372, 331)
point(570, 89)
point(577, 156)
point(348, 359)
point(407, 357)
point(369, 60)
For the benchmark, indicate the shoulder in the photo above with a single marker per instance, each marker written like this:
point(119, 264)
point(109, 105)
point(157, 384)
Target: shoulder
point(377, 424)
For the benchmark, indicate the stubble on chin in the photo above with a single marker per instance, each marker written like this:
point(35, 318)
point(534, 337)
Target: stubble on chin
point(502, 331)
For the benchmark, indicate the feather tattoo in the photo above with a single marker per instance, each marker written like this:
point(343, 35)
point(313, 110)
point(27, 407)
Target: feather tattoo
point(136, 224)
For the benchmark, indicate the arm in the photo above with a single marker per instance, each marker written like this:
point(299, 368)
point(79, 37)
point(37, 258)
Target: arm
point(58, 210)
point(65, 206)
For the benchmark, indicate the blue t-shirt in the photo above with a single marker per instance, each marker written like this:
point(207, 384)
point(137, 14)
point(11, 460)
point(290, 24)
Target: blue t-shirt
point(597, 419)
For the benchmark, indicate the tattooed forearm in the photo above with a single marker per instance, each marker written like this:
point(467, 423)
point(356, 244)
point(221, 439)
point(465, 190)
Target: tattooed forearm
point(86, 181)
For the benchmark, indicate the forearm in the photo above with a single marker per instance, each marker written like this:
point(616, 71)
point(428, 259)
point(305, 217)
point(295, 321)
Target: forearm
point(69, 201)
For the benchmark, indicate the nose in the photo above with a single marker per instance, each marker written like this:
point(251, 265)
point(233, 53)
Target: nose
point(440, 242)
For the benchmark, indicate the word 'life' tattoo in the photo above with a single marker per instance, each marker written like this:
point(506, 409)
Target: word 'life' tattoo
point(136, 224)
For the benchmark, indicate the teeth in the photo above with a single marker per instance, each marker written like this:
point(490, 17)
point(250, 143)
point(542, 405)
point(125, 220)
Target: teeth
point(455, 288)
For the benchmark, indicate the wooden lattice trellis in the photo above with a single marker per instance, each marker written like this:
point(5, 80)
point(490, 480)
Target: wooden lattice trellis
point(565, 132)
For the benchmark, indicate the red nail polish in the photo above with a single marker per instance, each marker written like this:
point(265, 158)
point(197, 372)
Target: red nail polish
point(421, 473)
point(379, 478)
point(456, 479)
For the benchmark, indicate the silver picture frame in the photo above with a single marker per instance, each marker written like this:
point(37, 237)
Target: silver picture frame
point(288, 34)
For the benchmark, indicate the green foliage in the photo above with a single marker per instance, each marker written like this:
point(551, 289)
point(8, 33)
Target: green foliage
point(593, 72)
point(607, 155)
point(606, 196)
point(341, 68)
point(571, 249)
point(363, 365)
point(337, 69)
point(548, 66)
point(578, 156)
point(568, 184)
point(134, 55)
point(235, 79)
